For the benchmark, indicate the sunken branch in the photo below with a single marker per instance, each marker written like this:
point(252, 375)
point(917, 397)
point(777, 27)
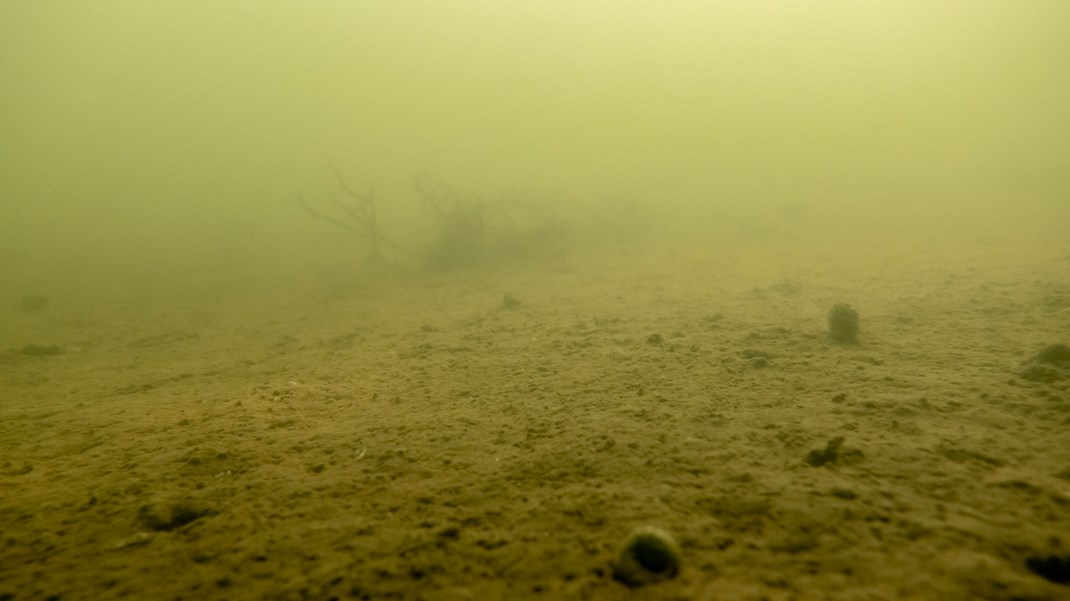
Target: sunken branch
point(360, 216)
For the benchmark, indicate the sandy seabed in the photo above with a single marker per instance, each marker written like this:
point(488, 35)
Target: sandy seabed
point(415, 437)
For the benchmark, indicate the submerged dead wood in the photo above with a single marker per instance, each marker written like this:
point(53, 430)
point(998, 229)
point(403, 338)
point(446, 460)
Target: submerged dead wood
point(468, 231)
point(361, 217)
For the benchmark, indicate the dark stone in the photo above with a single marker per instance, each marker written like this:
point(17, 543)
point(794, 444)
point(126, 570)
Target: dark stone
point(834, 452)
point(829, 454)
point(1054, 354)
point(1055, 568)
point(182, 513)
point(843, 324)
point(648, 555)
point(1049, 365)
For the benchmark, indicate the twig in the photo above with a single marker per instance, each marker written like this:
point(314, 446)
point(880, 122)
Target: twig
point(363, 218)
point(327, 218)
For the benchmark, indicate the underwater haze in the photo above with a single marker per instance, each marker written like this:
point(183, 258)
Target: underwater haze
point(137, 132)
point(473, 299)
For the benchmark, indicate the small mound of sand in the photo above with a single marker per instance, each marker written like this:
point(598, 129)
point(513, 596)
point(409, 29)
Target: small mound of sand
point(1049, 365)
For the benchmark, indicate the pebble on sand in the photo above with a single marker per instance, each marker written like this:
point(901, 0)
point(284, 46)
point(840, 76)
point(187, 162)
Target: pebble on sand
point(648, 555)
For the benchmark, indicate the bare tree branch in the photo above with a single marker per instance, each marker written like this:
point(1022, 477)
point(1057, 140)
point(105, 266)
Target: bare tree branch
point(328, 218)
point(363, 218)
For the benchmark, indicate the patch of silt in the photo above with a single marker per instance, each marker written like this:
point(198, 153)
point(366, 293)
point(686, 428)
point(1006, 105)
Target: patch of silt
point(1049, 365)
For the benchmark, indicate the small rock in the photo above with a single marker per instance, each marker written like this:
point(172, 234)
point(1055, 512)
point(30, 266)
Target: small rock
point(648, 555)
point(832, 453)
point(182, 513)
point(829, 454)
point(843, 324)
point(1049, 365)
point(1055, 568)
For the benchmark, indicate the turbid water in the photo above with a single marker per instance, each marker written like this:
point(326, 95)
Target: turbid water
point(428, 300)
